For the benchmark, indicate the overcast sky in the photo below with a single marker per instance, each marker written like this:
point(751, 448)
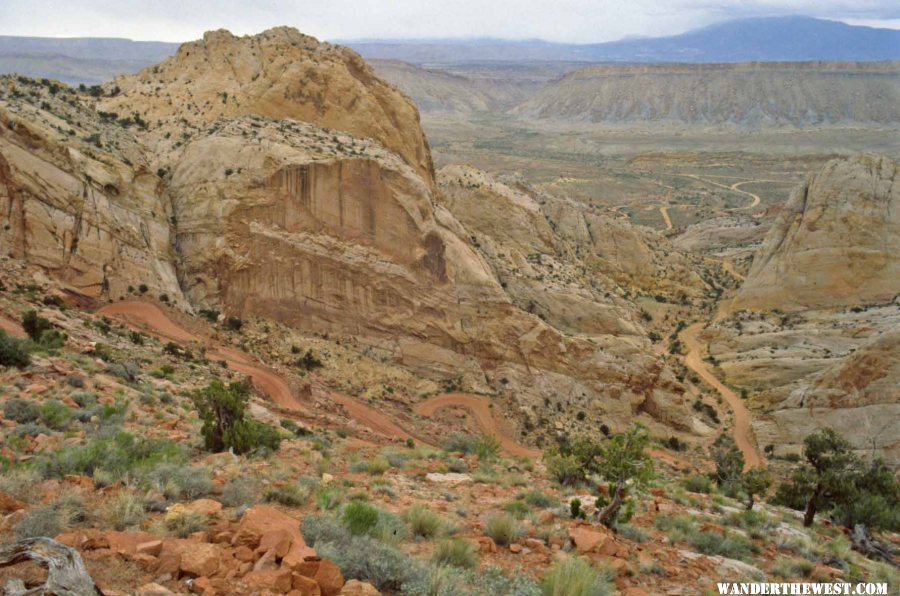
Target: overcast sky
point(557, 20)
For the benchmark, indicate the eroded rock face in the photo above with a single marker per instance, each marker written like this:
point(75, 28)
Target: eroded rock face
point(261, 214)
point(93, 216)
point(279, 74)
point(836, 243)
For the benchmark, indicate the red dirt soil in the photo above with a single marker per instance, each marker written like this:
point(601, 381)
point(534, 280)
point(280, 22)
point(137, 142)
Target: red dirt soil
point(480, 408)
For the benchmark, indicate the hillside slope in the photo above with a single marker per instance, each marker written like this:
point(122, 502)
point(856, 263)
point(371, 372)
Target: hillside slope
point(745, 95)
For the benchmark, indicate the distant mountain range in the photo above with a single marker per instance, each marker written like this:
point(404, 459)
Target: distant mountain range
point(93, 60)
point(744, 40)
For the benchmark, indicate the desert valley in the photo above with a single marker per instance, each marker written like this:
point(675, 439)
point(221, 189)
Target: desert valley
point(279, 315)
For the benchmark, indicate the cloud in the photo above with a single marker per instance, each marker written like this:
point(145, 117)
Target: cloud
point(561, 20)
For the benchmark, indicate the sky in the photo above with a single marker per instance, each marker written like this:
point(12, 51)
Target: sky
point(573, 21)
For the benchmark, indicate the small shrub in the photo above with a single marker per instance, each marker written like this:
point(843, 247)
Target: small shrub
point(40, 521)
point(459, 443)
point(291, 495)
point(361, 557)
point(486, 447)
point(233, 323)
point(329, 497)
point(792, 569)
point(632, 533)
point(518, 509)
point(360, 518)
point(35, 325)
point(13, 351)
point(698, 483)
point(456, 552)
point(575, 510)
point(565, 469)
point(184, 523)
point(240, 492)
point(55, 415)
point(124, 511)
point(536, 498)
point(503, 528)
point(21, 411)
point(573, 577)
point(377, 466)
point(183, 482)
point(423, 522)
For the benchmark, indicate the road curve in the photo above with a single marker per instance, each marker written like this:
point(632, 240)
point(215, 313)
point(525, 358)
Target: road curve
point(149, 317)
point(481, 410)
point(743, 434)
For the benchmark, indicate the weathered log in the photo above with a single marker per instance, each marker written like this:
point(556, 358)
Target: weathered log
point(872, 548)
point(67, 575)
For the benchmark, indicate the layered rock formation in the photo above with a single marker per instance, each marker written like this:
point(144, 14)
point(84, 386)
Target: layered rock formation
point(280, 74)
point(836, 243)
point(78, 198)
point(751, 94)
point(214, 169)
point(812, 334)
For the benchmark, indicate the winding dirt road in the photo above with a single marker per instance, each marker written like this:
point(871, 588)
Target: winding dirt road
point(481, 410)
point(743, 434)
point(754, 198)
point(150, 318)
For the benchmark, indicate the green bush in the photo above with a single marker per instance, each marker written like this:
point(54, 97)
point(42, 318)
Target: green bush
point(240, 492)
point(46, 520)
point(124, 511)
point(503, 528)
point(423, 522)
point(55, 415)
point(444, 580)
point(13, 352)
point(792, 569)
point(459, 443)
point(329, 497)
point(377, 466)
point(121, 455)
point(698, 483)
point(178, 482)
point(35, 325)
point(456, 552)
point(225, 427)
point(360, 518)
point(518, 509)
point(361, 557)
point(186, 523)
point(536, 498)
point(565, 469)
point(291, 495)
point(573, 577)
point(21, 411)
point(486, 447)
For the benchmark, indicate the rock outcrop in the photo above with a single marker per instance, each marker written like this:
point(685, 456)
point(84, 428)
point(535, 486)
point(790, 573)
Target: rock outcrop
point(279, 74)
point(836, 243)
point(212, 180)
point(78, 196)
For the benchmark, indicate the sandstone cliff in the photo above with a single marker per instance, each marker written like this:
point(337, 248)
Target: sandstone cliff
point(223, 189)
point(281, 74)
point(78, 198)
point(836, 243)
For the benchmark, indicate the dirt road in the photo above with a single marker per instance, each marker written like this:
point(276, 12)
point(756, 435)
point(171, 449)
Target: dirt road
point(665, 215)
point(481, 410)
point(149, 317)
point(743, 434)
